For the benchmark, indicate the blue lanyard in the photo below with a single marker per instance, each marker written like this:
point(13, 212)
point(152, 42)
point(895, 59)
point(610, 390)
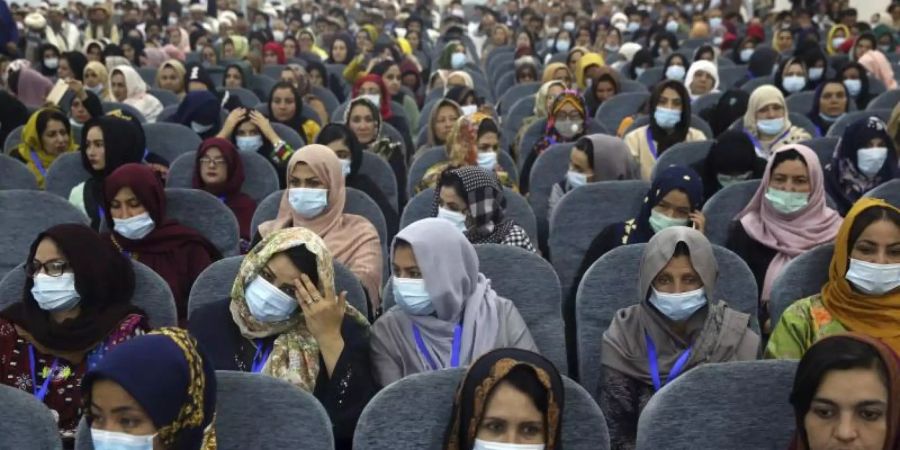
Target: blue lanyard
point(37, 163)
point(454, 355)
point(654, 364)
point(146, 152)
point(758, 145)
point(101, 212)
point(42, 392)
point(261, 356)
point(651, 143)
point(221, 198)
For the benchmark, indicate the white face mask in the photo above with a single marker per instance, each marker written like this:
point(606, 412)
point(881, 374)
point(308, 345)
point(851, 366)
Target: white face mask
point(55, 293)
point(487, 160)
point(659, 221)
point(458, 219)
point(575, 179)
point(345, 166)
point(95, 89)
point(51, 63)
point(278, 35)
point(726, 180)
point(112, 440)
point(793, 84)
point(568, 128)
point(308, 202)
point(411, 295)
point(134, 228)
point(815, 73)
point(746, 54)
point(873, 279)
point(871, 160)
point(675, 73)
point(678, 307)
point(375, 99)
point(487, 445)
point(199, 128)
point(468, 109)
point(267, 303)
point(249, 143)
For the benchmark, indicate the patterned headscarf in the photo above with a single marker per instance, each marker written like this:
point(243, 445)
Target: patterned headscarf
point(845, 183)
point(462, 142)
point(484, 199)
point(551, 135)
point(295, 352)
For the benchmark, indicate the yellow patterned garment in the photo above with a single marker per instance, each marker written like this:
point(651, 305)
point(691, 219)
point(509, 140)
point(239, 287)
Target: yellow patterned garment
point(802, 324)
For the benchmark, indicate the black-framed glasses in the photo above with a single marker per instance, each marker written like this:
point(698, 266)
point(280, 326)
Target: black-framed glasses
point(53, 268)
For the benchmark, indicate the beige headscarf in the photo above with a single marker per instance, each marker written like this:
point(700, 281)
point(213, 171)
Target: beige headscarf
point(540, 100)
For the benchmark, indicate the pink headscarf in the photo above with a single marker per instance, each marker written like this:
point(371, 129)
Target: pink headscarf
point(174, 52)
point(155, 57)
point(794, 233)
point(33, 87)
point(875, 62)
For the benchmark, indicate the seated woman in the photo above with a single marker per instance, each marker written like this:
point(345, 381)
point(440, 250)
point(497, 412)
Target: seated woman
point(707, 52)
point(75, 308)
point(219, 170)
point(389, 71)
point(46, 136)
point(170, 76)
point(640, 62)
point(566, 122)
point(855, 78)
point(96, 80)
point(831, 102)
point(85, 106)
point(315, 199)
point(864, 159)
point(675, 68)
point(443, 116)
point(543, 102)
point(595, 158)
point(447, 315)
point(107, 143)
point(557, 72)
point(875, 62)
point(509, 398)
point(670, 124)
point(250, 131)
point(286, 107)
point(767, 123)
point(237, 75)
point(372, 87)
point(199, 111)
point(786, 217)
point(651, 343)
point(342, 141)
point(364, 120)
point(284, 319)
point(590, 66)
point(744, 49)
point(130, 402)
point(731, 159)
point(845, 395)
point(471, 198)
point(732, 105)
point(863, 289)
point(602, 88)
point(790, 76)
point(702, 78)
point(135, 206)
point(126, 86)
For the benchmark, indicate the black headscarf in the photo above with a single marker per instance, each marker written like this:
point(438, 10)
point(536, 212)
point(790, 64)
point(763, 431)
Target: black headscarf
point(201, 107)
point(844, 182)
point(138, 46)
point(76, 61)
point(296, 122)
point(862, 100)
point(815, 114)
point(667, 138)
point(13, 113)
point(762, 61)
point(664, 36)
point(732, 153)
point(779, 74)
point(812, 55)
point(643, 56)
point(46, 71)
point(732, 105)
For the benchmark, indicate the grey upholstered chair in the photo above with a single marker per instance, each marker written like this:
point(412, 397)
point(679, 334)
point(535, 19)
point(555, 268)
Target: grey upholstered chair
point(721, 208)
point(15, 175)
point(205, 213)
point(25, 423)
point(65, 173)
point(170, 140)
point(802, 277)
point(889, 192)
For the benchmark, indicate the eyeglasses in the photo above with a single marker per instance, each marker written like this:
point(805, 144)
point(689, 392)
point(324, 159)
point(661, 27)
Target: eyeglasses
point(52, 268)
point(212, 161)
point(574, 116)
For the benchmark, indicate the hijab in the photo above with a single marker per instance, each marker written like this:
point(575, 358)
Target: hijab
point(671, 178)
point(385, 103)
point(244, 69)
point(31, 147)
point(241, 45)
point(484, 199)
point(44, 70)
point(432, 122)
point(816, 115)
point(704, 66)
point(375, 115)
point(103, 75)
point(277, 49)
point(349, 42)
point(296, 122)
point(878, 65)
point(732, 153)
point(705, 48)
point(295, 351)
point(551, 135)
point(202, 108)
point(612, 159)
point(13, 113)
point(180, 400)
point(845, 183)
point(155, 57)
point(593, 103)
point(715, 333)
point(778, 79)
point(862, 99)
point(77, 62)
point(32, 87)
point(540, 100)
point(137, 95)
point(829, 46)
point(103, 278)
point(550, 71)
point(229, 192)
point(762, 62)
point(180, 71)
point(642, 57)
point(587, 60)
point(789, 234)
point(667, 138)
point(483, 376)
point(732, 105)
point(761, 97)
point(462, 142)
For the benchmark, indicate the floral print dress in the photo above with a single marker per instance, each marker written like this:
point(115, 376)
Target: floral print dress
point(802, 324)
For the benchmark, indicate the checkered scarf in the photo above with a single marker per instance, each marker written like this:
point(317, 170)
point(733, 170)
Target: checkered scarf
point(484, 197)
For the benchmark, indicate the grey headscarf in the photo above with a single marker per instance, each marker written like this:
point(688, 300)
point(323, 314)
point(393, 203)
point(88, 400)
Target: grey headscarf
point(718, 333)
point(612, 159)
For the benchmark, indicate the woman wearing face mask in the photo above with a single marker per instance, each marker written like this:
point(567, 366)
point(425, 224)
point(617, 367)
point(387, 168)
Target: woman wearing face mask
point(830, 104)
point(670, 124)
point(864, 159)
point(447, 315)
point(641, 61)
point(443, 116)
point(731, 159)
point(373, 88)
point(743, 49)
point(543, 102)
point(702, 78)
point(863, 289)
point(96, 80)
point(250, 131)
point(130, 403)
point(49, 63)
point(74, 309)
point(364, 119)
point(855, 79)
point(589, 67)
point(219, 170)
point(786, 217)
point(471, 198)
point(790, 77)
point(561, 43)
point(566, 122)
point(284, 319)
point(845, 394)
point(286, 107)
point(612, 43)
point(453, 57)
point(664, 45)
point(675, 67)
point(315, 199)
point(200, 112)
point(509, 399)
point(170, 76)
point(135, 205)
point(817, 64)
point(767, 124)
point(650, 344)
point(126, 86)
point(46, 136)
point(836, 38)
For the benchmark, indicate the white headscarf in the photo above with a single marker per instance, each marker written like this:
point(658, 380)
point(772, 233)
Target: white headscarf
point(705, 66)
point(136, 93)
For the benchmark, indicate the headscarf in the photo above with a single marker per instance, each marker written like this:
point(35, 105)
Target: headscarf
point(179, 69)
point(586, 61)
point(540, 100)
point(432, 121)
point(778, 78)
point(844, 182)
point(277, 49)
point(467, 79)
point(814, 114)
point(628, 50)
point(245, 71)
point(32, 88)
point(705, 66)
point(664, 36)
point(789, 234)
point(185, 44)
point(699, 30)
point(715, 333)
point(444, 62)
point(731, 153)
point(375, 115)
point(295, 352)
point(462, 142)
point(761, 97)
point(732, 105)
point(551, 135)
point(77, 61)
point(878, 65)
point(483, 376)
point(229, 192)
point(198, 73)
point(31, 147)
point(642, 57)
point(137, 95)
point(138, 46)
point(180, 400)
point(174, 52)
point(201, 107)
point(349, 42)
point(241, 45)
point(155, 57)
point(612, 159)
point(484, 199)
point(829, 47)
point(385, 106)
point(666, 138)
point(762, 61)
point(669, 179)
point(104, 280)
point(590, 93)
point(103, 75)
point(862, 99)
point(550, 71)
point(298, 120)
point(704, 49)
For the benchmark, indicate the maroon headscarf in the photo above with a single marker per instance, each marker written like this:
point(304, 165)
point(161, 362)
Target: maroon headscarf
point(103, 278)
point(386, 112)
point(230, 192)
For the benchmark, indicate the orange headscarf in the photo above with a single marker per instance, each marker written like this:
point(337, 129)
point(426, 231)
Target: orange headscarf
point(462, 142)
point(876, 316)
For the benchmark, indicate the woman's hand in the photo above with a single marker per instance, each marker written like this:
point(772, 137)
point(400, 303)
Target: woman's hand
point(265, 127)
point(699, 221)
point(77, 87)
point(235, 116)
point(324, 315)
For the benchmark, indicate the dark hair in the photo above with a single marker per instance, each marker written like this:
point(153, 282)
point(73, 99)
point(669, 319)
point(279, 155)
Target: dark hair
point(338, 132)
point(524, 379)
point(305, 261)
point(668, 138)
point(44, 117)
point(448, 179)
point(681, 249)
point(868, 217)
point(787, 155)
point(487, 126)
point(585, 145)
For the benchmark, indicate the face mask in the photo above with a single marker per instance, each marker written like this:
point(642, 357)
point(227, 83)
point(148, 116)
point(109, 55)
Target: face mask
point(715, 22)
point(412, 297)
point(345, 166)
point(671, 26)
point(458, 60)
point(249, 143)
point(487, 160)
point(458, 219)
point(717, 41)
point(267, 303)
point(570, 26)
point(853, 87)
point(675, 73)
point(786, 202)
point(306, 17)
point(885, 49)
point(639, 71)
point(678, 307)
point(112, 440)
point(173, 21)
point(51, 63)
point(562, 46)
point(746, 54)
point(95, 89)
point(727, 180)
point(838, 41)
point(666, 118)
point(486, 445)
point(611, 48)
point(575, 179)
point(659, 221)
point(55, 293)
point(830, 119)
point(134, 228)
point(278, 35)
point(873, 279)
point(816, 73)
point(793, 84)
point(770, 127)
point(633, 26)
point(308, 202)
point(469, 109)
point(375, 99)
point(870, 160)
point(75, 124)
point(199, 128)
point(568, 128)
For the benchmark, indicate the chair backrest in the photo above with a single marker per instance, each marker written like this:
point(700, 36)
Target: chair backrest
point(23, 221)
point(167, 113)
point(706, 101)
point(824, 147)
point(380, 172)
point(601, 295)
point(801, 102)
point(291, 136)
point(171, 140)
point(248, 98)
point(403, 416)
point(585, 212)
point(714, 406)
point(15, 175)
point(13, 139)
point(508, 98)
point(696, 122)
point(729, 76)
point(148, 74)
point(65, 173)
point(131, 110)
point(684, 154)
point(165, 96)
point(151, 294)
point(420, 165)
point(533, 134)
point(800, 120)
point(754, 83)
point(26, 423)
point(516, 114)
point(260, 177)
point(885, 100)
point(549, 169)
point(651, 76)
point(612, 111)
point(837, 128)
point(204, 212)
point(889, 191)
point(215, 282)
point(721, 208)
point(631, 86)
point(802, 277)
point(506, 81)
point(326, 97)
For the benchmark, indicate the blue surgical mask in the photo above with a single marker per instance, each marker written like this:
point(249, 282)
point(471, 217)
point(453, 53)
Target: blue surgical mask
point(55, 293)
point(95, 89)
point(830, 119)
point(787, 202)
point(678, 307)
point(870, 160)
point(134, 228)
point(815, 73)
point(746, 54)
point(490, 445)
point(267, 303)
point(633, 26)
point(114, 440)
point(671, 26)
point(200, 128)
point(249, 143)
point(872, 278)
point(308, 202)
point(487, 160)
point(715, 22)
point(345, 166)
point(412, 297)
point(458, 219)
point(458, 61)
point(562, 46)
point(854, 86)
point(667, 118)
point(793, 84)
point(659, 221)
point(675, 73)
point(575, 179)
point(770, 127)
point(726, 180)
